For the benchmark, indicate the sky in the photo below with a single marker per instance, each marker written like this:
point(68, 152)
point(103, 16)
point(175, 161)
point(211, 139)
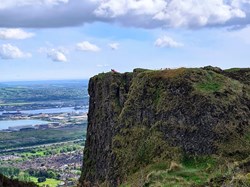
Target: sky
point(76, 39)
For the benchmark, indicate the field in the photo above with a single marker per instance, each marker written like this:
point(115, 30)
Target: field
point(38, 137)
point(50, 182)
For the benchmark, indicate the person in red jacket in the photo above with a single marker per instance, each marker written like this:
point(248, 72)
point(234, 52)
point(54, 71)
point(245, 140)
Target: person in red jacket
point(114, 71)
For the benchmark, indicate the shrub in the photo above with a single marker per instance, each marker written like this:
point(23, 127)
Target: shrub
point(41, 179)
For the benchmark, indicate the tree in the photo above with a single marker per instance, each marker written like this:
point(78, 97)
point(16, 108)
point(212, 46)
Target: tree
point(51, 175)
point(41, 179)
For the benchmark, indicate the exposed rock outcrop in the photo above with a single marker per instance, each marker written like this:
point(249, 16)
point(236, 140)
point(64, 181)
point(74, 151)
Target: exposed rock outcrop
point(195, 110)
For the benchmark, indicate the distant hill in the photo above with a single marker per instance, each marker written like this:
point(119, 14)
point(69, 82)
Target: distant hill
point(170, 127)
point(44, 82)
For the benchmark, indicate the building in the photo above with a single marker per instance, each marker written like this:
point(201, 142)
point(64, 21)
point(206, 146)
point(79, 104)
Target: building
point(43, 126)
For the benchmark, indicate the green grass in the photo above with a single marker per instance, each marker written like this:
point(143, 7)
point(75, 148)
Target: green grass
point(210, 82)
point(186, 176)
point(50, 182)
point(190, 172)
point(29, 154)
point(159, 166)
point(201, 162)
point(209, 86)
point(232, 69)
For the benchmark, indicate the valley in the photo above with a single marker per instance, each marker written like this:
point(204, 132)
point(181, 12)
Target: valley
point(42, 137)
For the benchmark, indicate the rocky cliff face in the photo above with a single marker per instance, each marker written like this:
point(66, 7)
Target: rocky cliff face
point(108, 93)
point(143, 116)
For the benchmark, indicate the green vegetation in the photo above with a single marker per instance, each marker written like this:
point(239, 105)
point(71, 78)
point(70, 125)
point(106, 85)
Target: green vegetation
point(42, 94)
point(209, 86)
point(47, 183)
point(147, 160)
point(10, 171)
point(180, 175)
point(211, 82)
point(191, 172)
point(138, 147)
point(181, 127)
point(230, 167)
point(6, 182)
point(50, 150)
point(34, 163)
point(38, 137)
point(233, 69)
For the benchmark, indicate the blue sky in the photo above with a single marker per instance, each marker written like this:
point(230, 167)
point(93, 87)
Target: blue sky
point(76, 39)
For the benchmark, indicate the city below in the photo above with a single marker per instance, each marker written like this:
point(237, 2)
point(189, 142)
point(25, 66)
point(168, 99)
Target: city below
point(43, 129)
point(42, 119)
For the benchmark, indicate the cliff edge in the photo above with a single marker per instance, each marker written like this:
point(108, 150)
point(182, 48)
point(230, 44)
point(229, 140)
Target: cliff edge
point(148, 122)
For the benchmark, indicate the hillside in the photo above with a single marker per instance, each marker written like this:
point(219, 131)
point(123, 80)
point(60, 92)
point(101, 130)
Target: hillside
point(179, 127)
point(5, 182)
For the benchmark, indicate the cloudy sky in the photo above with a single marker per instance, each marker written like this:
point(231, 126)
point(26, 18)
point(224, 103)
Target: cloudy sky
point(76, 39)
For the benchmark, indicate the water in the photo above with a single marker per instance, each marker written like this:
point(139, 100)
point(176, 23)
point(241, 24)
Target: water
point(13, 123)
point(52, 110)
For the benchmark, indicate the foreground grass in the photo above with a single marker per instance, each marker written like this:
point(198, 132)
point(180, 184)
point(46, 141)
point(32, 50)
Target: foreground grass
point(191, 172)
point(229, 168)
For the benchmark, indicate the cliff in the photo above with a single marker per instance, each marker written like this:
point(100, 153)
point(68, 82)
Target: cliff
point(147, 117)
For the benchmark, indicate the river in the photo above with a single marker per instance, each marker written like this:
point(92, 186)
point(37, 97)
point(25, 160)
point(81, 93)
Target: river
point(12, 123)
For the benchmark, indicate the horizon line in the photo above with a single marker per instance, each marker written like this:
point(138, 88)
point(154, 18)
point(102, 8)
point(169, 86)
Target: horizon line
point(34, 80)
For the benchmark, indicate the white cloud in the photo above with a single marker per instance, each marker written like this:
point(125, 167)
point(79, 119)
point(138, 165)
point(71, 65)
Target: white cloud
point(18, 34)
point(172, 13)
point(19, 3)
point(56, 55)
point(114, 8)
point(46, 13)
point(239, 3)
point(114, 46)
point(193, 13)
point(102, 65)
point(87, 46)
point(166, 41)
point(136, 13)
point(8, 51)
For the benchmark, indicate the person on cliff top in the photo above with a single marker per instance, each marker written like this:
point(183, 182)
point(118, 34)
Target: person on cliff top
point(114, 71)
